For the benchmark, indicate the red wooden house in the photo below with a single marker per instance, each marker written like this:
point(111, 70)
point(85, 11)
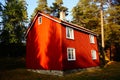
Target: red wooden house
point(54, 44)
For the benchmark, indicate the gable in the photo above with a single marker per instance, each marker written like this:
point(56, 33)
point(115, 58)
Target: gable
point(64, 23)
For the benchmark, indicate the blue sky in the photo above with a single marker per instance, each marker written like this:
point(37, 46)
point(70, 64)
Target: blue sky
point(32, 4)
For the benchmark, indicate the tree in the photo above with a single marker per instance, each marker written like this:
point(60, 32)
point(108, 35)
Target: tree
point(86, 14)
point(112, 29)
point(1, 9)
point(42, 6)
point(57, 8)
point(113, 24)
point(59, 2)
point(14, 17)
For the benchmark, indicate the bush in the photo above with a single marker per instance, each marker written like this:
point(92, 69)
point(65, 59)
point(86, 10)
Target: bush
point(12, 50)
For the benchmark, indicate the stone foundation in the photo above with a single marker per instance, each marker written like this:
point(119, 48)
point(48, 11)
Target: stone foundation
point(49, 72)
point(62, 73)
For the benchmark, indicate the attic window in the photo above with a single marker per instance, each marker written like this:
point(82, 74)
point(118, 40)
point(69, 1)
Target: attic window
point(69, 33)
point(40, 20)
point(93, 54)
point(71, 54)
point(92, 38)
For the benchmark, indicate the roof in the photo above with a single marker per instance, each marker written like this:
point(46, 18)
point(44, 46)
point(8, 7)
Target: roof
point(77, 27)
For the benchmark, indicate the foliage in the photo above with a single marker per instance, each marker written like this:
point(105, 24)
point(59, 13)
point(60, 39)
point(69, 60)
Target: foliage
point(14, 17)
point(42, 6)
point(53, 10)
point(112, 27)
point(1, 8)
point(57, 8)
point(12, 50)
point(86, 14)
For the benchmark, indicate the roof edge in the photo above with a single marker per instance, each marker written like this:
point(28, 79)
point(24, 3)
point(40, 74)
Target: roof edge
point(60, 22)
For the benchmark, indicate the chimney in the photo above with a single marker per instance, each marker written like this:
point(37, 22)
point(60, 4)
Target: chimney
point(62, 15)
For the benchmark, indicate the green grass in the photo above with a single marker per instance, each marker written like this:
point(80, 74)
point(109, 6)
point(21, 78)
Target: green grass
point(14, 69)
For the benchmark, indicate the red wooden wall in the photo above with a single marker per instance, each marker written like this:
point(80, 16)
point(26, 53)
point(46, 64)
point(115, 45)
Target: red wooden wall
point(44, 46)
point(47, 44)
point(83, 48)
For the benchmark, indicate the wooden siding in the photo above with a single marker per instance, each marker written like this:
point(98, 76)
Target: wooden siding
point(47, 45)
point(44, 45)
point(83, 48)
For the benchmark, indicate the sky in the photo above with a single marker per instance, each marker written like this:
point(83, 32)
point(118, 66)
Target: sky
point(32, 4)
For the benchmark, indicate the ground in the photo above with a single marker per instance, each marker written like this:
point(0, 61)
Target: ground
point(14, 69)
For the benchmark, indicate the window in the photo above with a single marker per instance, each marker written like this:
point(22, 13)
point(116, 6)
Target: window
point(69, 33)
point(71, 54)
point(92, 39)
point(39, 19)
point(93, 54)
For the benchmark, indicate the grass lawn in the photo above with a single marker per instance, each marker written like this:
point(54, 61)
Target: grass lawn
point(14, 69)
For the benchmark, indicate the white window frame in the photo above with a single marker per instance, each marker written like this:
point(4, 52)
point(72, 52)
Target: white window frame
point(93, 54)
point(40, 20)
point(69, 33)
point(92, 39)
point(71, 56)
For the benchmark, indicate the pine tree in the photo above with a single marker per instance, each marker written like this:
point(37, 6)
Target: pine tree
point(112, 28)
point(1, 9)
point(14, 17)
point(113, 23)
point(86, 14)
point(59, 2)
point(57, 8)
point(42, 6)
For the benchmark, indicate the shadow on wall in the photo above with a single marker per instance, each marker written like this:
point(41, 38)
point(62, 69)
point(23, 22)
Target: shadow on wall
point(50, 57)
point(33, 49)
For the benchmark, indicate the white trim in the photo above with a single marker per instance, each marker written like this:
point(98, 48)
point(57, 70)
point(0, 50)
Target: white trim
point(73, 54)
point(50, 18)
point(30, 25)
point(80, 28)
point(93, 54)
point(70, 32)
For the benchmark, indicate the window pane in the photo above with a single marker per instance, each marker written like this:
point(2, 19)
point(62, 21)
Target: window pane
point(92, 39)
point(69, 33)
point(71, 53)
point(40, 20)
point(93, 53)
